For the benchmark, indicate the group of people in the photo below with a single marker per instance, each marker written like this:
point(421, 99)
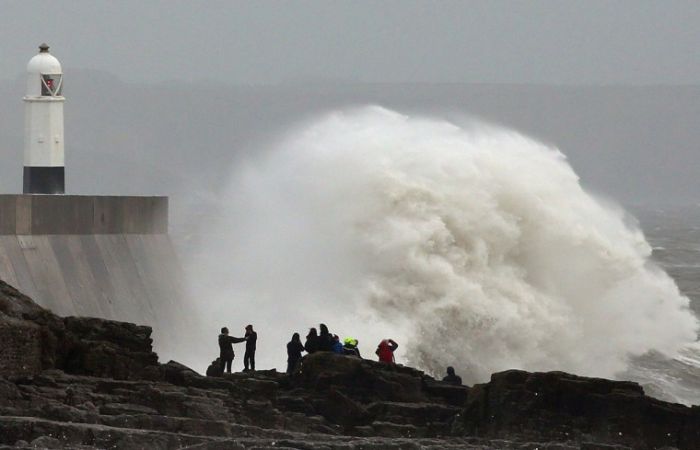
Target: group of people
point(226, 353)
point(320, 340)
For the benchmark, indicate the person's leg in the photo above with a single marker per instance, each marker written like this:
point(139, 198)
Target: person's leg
point(228, 365)
point(222, 363)
point(252, 360)
point(246, 360)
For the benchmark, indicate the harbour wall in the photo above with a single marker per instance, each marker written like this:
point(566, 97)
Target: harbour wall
point(97, 256)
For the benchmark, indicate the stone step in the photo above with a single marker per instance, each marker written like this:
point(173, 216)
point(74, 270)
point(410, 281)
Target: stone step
point(419, 414)
point(389, 429)
point(14, 429)
point(115, 409)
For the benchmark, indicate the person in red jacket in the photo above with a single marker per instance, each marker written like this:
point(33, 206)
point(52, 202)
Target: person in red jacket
point(385, 350)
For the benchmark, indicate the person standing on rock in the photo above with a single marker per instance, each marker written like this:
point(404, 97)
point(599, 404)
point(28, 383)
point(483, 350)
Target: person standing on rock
point(350, 347)
point(226, 349)
point(325, 339)
point(251, 338)
point(294, 349)
point(311, 344)
point(385, 350)
point(452, 378)
point(337, 345)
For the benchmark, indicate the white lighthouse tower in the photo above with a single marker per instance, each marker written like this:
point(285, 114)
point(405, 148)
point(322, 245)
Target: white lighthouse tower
point(44, 161)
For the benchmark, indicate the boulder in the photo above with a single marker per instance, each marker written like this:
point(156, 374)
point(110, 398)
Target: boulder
point(454, 395)
point(560, 407)
point(360, 379)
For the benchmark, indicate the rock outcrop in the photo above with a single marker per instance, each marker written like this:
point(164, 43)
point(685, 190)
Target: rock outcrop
point(90, 383)
point(557, 406)
point(36, 339)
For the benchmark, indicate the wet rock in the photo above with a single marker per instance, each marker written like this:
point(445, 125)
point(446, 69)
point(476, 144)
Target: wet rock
point(89, 383)
point(562, 407)
point(77, 345)
point(342, 410)
point(46, 442)
point(360, 379)
point(115, 409)
point(389, 429)
point(453, 395)
point(176, 373)
point(9, 393)
point(413, 413)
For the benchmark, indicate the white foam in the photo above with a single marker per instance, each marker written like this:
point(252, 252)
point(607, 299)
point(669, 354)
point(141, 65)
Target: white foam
point(475, 246)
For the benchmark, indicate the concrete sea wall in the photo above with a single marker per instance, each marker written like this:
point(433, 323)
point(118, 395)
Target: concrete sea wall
point(82, 214)
point(96, 256)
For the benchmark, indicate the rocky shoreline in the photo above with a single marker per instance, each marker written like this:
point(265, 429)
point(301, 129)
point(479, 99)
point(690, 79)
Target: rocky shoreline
point(91, 383)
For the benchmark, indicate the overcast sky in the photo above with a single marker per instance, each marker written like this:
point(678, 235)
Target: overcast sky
point(560, 42)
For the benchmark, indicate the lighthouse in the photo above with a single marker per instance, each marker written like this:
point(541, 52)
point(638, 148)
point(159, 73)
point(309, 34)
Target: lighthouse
point(44, 160)
point(106, 256)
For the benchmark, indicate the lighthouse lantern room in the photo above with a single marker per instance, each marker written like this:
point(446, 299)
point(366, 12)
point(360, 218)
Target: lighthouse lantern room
point(44, 161)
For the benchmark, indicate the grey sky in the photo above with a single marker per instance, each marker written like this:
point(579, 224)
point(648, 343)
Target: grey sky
point(550, 42)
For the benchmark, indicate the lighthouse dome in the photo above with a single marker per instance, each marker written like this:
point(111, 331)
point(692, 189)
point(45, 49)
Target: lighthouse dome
point(44, 63)
point(44, 74)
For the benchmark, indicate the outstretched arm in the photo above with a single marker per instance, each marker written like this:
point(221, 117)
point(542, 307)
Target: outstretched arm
point(236, 340)
point(393, 345)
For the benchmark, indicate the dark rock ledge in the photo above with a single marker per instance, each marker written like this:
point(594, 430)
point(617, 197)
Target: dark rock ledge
point(90, 383)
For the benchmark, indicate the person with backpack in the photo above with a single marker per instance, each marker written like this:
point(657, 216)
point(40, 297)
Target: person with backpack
point(385, 351)
point(350, 347)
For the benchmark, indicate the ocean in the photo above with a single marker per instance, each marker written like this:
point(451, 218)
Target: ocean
point(674, 233)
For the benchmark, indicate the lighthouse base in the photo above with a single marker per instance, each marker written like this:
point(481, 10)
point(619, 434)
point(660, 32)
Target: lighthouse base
point(44, 180)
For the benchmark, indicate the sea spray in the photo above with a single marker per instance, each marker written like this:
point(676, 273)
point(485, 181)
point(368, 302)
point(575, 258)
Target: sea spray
point(473, 245)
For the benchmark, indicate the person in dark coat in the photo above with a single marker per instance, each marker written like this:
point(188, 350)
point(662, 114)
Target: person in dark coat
point(251, 338)
point(294, 349)
point(350, 347)
point(311, 344)
point(226, 349)
point(325, 339)
point(452, 378)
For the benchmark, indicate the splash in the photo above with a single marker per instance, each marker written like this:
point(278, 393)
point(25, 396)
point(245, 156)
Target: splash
point(474, 246)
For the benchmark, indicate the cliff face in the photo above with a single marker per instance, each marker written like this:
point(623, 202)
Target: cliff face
point(91, 383)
